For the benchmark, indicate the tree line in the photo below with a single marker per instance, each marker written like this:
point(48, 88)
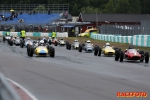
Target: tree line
point(94, 6)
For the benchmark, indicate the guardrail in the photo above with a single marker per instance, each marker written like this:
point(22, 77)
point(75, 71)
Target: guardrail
point(137, 40)
point(6, 90)
point(36, 34)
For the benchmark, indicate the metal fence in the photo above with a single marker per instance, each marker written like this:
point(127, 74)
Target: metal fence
point(39, 8)
point(127, 30)
point(124, 30)
point(145, 27)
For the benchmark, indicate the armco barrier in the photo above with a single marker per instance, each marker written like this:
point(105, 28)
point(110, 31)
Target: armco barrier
point(36, 34)
point(6, 90)
point(137, 40)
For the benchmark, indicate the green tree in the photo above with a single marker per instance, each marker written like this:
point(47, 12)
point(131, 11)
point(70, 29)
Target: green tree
point(89, 9)
point(110, 7)
point(122, 6)
point(145, 6)
point(135, 6)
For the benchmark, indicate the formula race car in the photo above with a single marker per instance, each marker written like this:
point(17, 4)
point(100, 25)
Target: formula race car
point(106, 50)
point(25, 43)
point(53, 41)
point(5, 38)
point(131, 54)
point(41, 50)
point(16, 41)
point(88, 47)
point(61, 42)
point(74, 45)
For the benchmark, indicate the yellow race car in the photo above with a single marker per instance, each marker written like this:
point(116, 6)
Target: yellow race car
point(106, 50)
point(41, 51)
point(88, 32)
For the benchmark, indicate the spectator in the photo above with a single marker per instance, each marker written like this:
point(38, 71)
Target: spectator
point(49, 12)
point(23, 34)
point(21, 13)
point(34, 12)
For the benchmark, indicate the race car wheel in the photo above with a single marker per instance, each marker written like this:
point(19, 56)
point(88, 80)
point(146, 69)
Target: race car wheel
point(50, 42)
point(121, 56)
point(117, 54)
point(66, 46)
point(69, 46)
point(4, 39)
point(55, 43)
point(45, 41)
point(146, 57)
point(99, 52)
point(10, 42)
point(28, 48)
point(51, 52)
point(31, 51)
point(95, 50)
point(142, 55)
point(80, 48)
point(21, 44)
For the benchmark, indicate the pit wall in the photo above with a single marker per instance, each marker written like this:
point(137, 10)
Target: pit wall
point(36, 34)
point(137, 40)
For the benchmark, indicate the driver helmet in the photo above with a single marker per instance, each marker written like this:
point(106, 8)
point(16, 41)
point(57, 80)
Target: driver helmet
point(107, 44)
point(75, 40)
point(50, 37)
point(28, 38)
point(88, 41)
point(41, 42)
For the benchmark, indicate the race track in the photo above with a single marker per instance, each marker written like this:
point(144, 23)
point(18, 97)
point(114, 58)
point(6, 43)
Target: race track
point(74, 76)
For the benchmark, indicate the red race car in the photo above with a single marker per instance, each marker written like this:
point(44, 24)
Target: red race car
point(131, 54)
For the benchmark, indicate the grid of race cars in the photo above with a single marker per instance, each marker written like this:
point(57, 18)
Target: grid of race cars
point(45, 46)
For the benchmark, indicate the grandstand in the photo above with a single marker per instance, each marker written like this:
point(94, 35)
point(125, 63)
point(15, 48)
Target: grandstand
point(32, 19)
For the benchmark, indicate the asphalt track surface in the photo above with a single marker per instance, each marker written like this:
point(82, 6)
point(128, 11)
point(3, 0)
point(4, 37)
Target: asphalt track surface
point(74, 76)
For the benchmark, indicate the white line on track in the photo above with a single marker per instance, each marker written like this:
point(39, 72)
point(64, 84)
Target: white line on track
point(25, 90)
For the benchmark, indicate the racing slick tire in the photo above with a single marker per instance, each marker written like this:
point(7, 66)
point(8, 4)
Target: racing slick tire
point(121, 56)
point(4, 39)
point(21, 44)
point(50, 42)
point(55, 43)
point(51, 52)
point(146, 57)
point(45, 41)
point(117, 54)
point(142, 56)
point(31, 51)
point(99, 51)
point(10, 42)
point(69, 46)
point(28, 49)
point(96, 50)
point(80, 48)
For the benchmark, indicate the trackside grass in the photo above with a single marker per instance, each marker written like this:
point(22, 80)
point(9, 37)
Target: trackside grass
point(123, 46)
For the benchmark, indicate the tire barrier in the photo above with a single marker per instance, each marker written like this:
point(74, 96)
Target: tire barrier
point(137, 40)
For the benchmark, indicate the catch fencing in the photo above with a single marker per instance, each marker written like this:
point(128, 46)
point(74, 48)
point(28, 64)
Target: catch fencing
point(124, 30)
point(39, 8)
